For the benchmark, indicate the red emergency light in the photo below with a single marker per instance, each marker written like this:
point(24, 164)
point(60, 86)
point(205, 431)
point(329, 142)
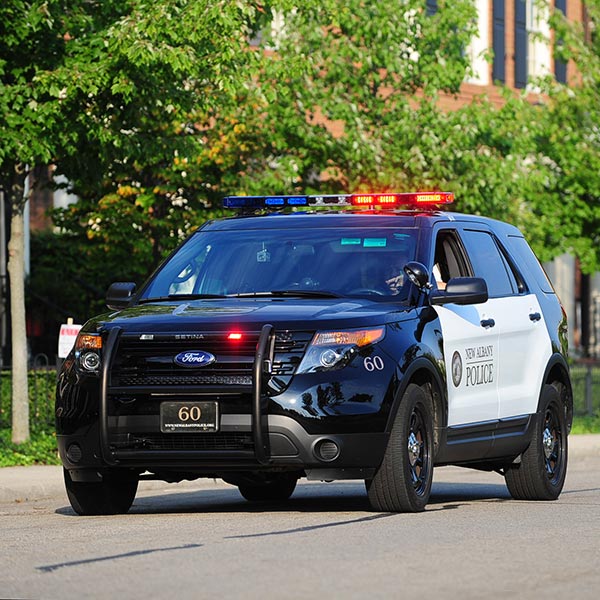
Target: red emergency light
point(411, 198)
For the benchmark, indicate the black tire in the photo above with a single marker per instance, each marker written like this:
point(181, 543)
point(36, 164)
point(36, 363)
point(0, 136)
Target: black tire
point(276, 489)
point(541, 473)
point(403, 481)
point(111, 496)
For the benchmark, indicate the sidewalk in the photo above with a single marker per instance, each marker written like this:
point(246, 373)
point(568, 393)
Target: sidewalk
point(21, 484)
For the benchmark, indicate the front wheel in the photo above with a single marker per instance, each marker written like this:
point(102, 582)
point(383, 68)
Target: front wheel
point(111, 496)
point(403, 481)
point(541, 473)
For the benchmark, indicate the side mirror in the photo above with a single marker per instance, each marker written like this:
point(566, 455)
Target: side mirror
point(119, 294)
point(461, 290)
point(418, 274)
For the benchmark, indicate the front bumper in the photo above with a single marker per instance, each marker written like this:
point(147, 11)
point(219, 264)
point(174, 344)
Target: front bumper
point(289, 447)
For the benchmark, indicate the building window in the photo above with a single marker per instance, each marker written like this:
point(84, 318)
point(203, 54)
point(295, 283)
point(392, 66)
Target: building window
point(539, 53)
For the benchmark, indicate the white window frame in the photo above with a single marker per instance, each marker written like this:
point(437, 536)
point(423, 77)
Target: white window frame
point(539, 52)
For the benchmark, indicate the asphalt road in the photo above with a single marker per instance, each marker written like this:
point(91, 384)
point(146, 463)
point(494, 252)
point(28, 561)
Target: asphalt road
point(202, 540)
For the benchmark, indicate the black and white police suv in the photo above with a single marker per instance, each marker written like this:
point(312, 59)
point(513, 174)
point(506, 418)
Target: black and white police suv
point(359, 336)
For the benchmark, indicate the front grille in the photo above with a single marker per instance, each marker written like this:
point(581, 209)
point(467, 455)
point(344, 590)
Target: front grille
point(190, 441)
point(144, 373)
point(148, 360)
point(212, 380)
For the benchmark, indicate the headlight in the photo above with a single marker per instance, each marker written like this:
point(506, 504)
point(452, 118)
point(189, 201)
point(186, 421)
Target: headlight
point(88, 351)
point(335, 349)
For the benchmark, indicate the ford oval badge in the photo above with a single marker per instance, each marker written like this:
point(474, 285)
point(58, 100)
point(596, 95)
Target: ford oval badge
point(194, 358)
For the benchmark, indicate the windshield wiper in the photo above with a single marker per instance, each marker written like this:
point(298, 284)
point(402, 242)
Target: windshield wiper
point(181, 297)
point(288, 293)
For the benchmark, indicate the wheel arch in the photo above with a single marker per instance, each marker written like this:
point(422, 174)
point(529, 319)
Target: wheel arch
point(557, 375)
point(424, 373)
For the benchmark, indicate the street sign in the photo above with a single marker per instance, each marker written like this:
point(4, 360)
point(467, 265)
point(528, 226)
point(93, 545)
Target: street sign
point(66, 338)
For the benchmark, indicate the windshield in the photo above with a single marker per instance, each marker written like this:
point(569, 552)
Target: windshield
point(308, 262)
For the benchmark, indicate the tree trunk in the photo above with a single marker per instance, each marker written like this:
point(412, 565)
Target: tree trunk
point(16, 274)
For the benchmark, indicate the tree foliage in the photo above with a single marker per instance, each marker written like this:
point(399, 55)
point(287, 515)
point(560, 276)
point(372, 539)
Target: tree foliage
point(154, 111)
point(570, 140)
point(107, 92)
point(359, 81)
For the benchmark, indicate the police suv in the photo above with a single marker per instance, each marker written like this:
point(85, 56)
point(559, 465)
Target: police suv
point(356, 336)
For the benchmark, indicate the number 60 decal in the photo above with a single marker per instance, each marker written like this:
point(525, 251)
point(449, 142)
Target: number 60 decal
point(373, 363)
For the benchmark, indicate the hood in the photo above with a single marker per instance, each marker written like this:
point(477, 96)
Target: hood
point(251, 314)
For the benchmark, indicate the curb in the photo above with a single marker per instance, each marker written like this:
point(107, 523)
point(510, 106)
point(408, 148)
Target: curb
point(42, 482)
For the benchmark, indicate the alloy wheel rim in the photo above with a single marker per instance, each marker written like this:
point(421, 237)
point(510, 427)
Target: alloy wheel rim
point(418, 452)
point(552, 444)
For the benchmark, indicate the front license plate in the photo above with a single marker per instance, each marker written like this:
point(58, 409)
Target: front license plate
point(185, 417)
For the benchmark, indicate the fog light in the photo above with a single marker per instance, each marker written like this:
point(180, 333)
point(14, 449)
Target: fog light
point(327, 450)
point(90, 361)
point(74, 453)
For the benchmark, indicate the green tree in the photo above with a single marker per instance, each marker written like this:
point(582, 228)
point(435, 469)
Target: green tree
point(345, 98)
point(356, 94)
point(92, 86)
point(570, 141)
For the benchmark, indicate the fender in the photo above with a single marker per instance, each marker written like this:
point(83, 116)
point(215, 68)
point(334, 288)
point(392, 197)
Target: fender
point(414, 373)
point(558, 369)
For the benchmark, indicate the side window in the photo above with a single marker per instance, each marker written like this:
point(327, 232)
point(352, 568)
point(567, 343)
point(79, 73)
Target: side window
point(526, 257)
point(449, 259)
point(489, 263)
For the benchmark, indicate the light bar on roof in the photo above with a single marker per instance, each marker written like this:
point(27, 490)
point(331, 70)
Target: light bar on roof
point(359, 200)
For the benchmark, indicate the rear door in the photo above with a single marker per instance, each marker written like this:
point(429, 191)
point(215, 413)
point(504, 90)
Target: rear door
point(524, 347)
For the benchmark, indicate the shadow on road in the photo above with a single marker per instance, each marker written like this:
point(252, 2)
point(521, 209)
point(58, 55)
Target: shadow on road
point(337, 497)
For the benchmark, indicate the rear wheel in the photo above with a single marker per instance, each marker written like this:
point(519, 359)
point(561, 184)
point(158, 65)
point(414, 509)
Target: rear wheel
point(403, 481)
point(113, 495)
point(276, 488)
point(541, 473)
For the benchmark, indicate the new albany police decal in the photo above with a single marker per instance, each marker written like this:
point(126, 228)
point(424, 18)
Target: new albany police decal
point(479, 363)
point(456, 369)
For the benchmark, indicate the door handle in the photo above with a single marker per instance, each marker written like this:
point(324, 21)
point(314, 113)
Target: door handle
point(535, 316)
point(487, 323)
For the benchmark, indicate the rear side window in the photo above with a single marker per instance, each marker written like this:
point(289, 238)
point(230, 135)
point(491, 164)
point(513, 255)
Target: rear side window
point(527, 259)
point(488, 263)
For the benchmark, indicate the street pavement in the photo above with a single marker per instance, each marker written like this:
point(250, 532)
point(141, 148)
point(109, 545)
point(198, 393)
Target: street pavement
point(26, 484)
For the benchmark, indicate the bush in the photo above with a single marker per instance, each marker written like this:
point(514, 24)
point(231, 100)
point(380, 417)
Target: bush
point(41, 447)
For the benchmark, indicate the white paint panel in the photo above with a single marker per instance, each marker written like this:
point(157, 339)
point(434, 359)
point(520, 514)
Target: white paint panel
point(525, 350)
point(470, 356)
